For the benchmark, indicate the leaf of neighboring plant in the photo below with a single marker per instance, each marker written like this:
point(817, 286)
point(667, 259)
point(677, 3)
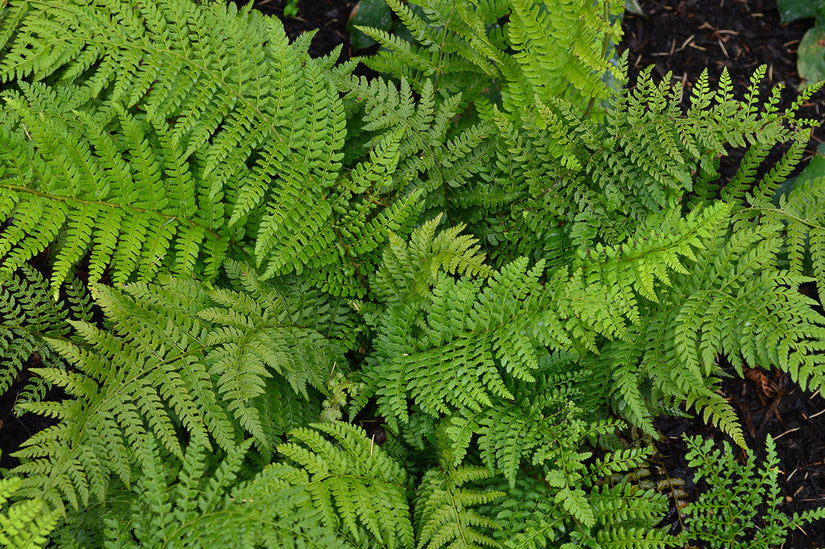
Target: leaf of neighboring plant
point(291, 8)
point(368, 13)
point(791, 10)
point(811, 63)
point(814, 169)
point(633, 7)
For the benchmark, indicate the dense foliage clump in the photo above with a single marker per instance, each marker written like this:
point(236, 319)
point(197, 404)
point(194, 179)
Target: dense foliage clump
point(496, 250)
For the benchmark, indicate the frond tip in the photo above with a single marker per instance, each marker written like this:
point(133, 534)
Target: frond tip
point(444, 513)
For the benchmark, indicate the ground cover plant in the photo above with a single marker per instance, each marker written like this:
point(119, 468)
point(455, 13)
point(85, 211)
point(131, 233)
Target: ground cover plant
point(811, 49)
point(496, 248)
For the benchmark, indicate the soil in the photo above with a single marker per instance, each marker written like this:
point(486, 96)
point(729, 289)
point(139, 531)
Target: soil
point(682, 37)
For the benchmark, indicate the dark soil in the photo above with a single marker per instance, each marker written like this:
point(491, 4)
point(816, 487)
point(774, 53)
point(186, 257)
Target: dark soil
point(685, 37)
point(682, 37)
point(328, 16)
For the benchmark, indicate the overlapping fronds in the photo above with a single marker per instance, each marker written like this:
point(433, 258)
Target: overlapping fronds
point(477, 259)
point(160, 142)
point(199, 502)
point(24, 524)
point(526, 47)
point(802, 213)
point(453, 356)
point(359, 490)
point(607, 507)
point(444, 509)
point(29, 315)
point(436, 155)
point(733, 301)
point(181, 360)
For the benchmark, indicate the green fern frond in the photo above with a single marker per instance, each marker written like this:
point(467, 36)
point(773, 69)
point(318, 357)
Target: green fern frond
point(254, 336)
point(409, 270)
point(456, 355)
point(734, 301)
point(802, 212)
point(29, 315)
point(436, 154)
point(200, 501)
point(131, 163)
point(512, 434)
point(545, 512)
point(444, 514)
point(181, 360)
point(352, 482)
point(742, 489)
point(535, 32)
point(24, 524)
point(459, 46)
point(651, 254)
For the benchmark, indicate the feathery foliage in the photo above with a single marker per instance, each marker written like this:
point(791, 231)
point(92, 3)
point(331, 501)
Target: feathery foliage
point(358, 490)
point(444, 509)
point(29, 315)
point(742, 488)
point(199, 502)
point(483, 257)
point(145, 176)
point(24, 524)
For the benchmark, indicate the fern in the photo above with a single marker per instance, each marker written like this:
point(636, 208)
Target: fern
point(457, 43)
point(24, 524)
point(176, 362)
point(546, 511)
point(802, 214)
point(445, 360)
point(144, 174)
point(200, 501)
point(487, 254)
point(356, 487)
point(733, 301)
point(29, 316)
point(443, 510)
point(742, 488)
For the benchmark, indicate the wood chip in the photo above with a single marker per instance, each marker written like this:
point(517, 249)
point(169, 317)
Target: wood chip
point(777, 437)
point(722, 46)
point(687, 41)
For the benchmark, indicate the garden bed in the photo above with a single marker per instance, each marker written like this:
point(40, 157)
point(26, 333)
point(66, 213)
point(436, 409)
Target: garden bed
point(682, 38)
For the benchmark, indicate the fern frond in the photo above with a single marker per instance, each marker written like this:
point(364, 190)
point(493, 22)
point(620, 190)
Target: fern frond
point(353, 483)
point(24, 524)
point(144, 379)
point(801, 212)
point(444, 514)
point(535, 32)
point(734, 301)
point(409, 271)
point(510, 434)
point(743, 489)
point(252, 338)
point(456, 355)
point(208, 504)
point(542, 512)
point(29, 315)
point(162, 170)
